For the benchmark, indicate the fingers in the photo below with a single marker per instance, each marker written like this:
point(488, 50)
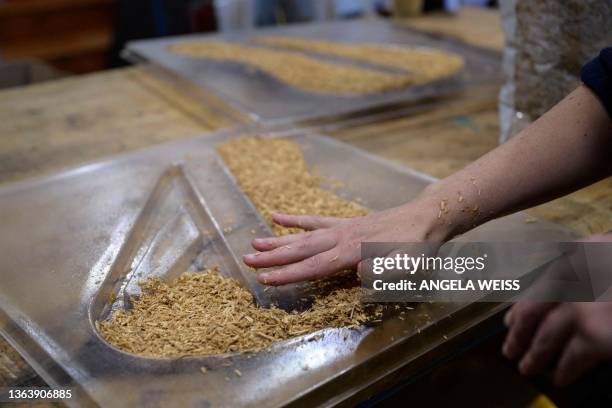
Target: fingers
point(307, 222)
point(363, 267)
point(551, 337)
point(522, 322)
point(315, 267)
point(577, 358)
point(307, 246)
point(508, 317)
point(266, 244)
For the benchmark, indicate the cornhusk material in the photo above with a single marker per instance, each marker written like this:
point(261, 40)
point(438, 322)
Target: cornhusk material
point(205, 313)
point(298, 70)
point(275, 176)
point(12, 365)
point(425, 64)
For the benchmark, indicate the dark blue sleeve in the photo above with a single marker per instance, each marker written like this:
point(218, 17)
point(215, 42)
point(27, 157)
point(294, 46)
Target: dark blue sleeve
point(597, 75)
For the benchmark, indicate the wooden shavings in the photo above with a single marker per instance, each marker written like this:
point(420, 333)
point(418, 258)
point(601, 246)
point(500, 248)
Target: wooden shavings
point(274, 175)
point(423, 64)
point(205, 313)
point(444, 209)
point(460, 197)
point(298, 70)
point(202, 314)
point(265, 336)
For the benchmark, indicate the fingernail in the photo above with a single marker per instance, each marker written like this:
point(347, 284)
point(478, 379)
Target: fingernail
point(250, 257)
point(509, 351)
point(507, 318)
point(506, 350)
point(525, 366)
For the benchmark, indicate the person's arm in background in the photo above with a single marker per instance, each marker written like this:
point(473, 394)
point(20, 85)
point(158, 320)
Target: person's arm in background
point(566, 149)
point(576, 336)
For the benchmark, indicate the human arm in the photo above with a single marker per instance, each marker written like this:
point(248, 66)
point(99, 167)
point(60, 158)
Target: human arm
point(567, 148)
point(574, 336)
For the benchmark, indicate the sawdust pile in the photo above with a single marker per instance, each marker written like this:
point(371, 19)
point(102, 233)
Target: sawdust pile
point(424, 63)
point(12, 365)
point(275, 176)
point(297, 70)
point(205, 313)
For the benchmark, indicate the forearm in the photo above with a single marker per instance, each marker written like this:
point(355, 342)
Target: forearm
point(566, 149)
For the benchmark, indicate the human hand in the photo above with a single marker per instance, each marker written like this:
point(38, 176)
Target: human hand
point(576, 336)
point(332, 245)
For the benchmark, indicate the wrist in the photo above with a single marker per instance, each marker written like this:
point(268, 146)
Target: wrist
point(442, 219)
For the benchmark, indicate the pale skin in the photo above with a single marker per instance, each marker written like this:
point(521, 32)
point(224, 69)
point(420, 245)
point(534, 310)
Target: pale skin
point(566, 149)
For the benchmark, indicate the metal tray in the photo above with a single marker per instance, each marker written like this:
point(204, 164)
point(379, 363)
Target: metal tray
point(271, 102)
point(74, 242)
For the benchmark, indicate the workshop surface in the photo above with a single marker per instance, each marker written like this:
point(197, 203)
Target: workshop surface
point(57, 125)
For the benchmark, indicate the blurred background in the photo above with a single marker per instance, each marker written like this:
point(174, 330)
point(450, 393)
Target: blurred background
point(44, 39)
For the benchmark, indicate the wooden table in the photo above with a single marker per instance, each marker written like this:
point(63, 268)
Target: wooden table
point(474, 25)
point(52, 126)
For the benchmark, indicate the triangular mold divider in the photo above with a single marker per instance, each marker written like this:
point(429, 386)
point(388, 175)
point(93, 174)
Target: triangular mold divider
point(174, 233)
point(177, 231)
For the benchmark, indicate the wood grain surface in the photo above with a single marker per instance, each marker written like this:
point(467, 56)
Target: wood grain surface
point(58, 124)
point(474, 25)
